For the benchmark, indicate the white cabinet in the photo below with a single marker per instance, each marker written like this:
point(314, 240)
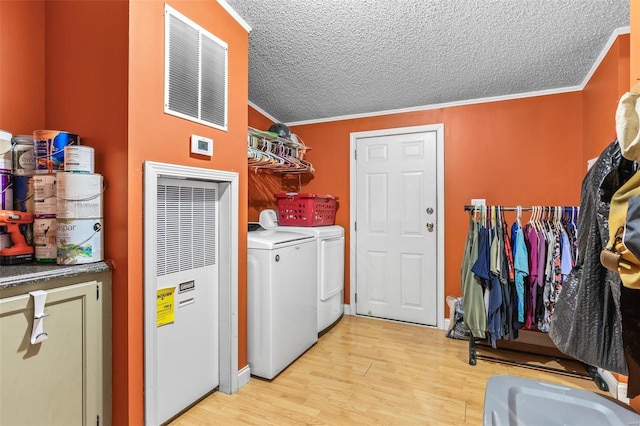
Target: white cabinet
point(65, 379)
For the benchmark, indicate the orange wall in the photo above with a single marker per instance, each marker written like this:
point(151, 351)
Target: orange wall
point(533, 141)
point(155, 136)
point(22, 26)
point(258, 121)
point(600, 99)
point(86, 93)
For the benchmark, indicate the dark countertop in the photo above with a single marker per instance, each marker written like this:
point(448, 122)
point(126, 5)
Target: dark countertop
point(15, 275)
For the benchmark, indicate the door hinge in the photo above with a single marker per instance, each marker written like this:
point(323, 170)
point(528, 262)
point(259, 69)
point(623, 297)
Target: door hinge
point(356, 296)
point(355, 154)
point(97, 292)
point(97, 420)
point(355, 226)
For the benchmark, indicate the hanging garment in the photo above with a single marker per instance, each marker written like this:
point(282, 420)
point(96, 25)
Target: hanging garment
point(490, 283)
point(494, 313)
point(542, 261)
point(521, 265)
point(553, 280)
point(475, 315)
point(531, 239)
point(586, 323)
point(566, 259)
point(508, 282)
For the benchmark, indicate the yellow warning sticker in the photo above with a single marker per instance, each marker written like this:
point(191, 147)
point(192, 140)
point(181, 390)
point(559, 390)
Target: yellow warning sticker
point(165, 306)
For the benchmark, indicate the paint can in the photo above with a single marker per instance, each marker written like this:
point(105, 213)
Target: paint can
point(79, 195)
point(44, 195)
point(48, 149)
point(78, 159)
point(23, 159)
point(6, 191)
point(44, 239)
point(79, 241)
point(23, 200)
point(5, 151)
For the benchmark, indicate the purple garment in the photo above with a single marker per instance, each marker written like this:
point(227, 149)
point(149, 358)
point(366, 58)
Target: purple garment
point(542, 258)
point(531, 239)
point(566, 263)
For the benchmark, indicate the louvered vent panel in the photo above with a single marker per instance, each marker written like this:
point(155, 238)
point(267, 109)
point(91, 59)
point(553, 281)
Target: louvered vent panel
point(186, 228)
point(214, 82)
point(172, 207)
point(161, 237)
point(184, 59)
point(186, 237)
point(196, 72)
point(211, 225)
point(199, 225)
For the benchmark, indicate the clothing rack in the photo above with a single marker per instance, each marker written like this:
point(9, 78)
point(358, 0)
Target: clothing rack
point(531, 341)
point(268, 152)
point(514, 209)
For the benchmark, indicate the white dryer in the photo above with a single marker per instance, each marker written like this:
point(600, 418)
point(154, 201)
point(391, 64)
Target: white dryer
point(281, 298)
point(330, 263)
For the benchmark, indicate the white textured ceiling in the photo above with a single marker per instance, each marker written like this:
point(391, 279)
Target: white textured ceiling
point(312, 60)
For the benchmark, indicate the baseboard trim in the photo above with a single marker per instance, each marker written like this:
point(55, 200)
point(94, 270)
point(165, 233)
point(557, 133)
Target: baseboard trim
point(244, 375)
point(347, 309)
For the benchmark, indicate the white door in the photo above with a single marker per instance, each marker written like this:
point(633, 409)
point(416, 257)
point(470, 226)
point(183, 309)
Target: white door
point(187, 294)
point(396, 227)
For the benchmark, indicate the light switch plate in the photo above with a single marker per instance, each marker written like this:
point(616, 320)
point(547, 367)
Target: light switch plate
point(478, 202)
point(201, 145)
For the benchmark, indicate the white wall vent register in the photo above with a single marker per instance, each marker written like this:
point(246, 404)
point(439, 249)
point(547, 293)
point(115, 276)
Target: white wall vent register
point(184, 242)
point(195, 72)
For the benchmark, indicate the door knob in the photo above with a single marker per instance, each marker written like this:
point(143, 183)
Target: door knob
point(430, 226)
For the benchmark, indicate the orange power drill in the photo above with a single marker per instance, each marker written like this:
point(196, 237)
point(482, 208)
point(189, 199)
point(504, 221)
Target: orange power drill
point(20, 251)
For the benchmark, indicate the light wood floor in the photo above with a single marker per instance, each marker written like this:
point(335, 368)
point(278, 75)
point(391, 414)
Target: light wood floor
point(368, 371)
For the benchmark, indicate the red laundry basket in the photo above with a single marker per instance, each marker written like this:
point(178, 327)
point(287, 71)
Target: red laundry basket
point(296, 209)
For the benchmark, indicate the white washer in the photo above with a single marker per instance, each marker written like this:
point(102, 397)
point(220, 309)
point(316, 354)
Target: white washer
point(281, 298)
point(330, 266)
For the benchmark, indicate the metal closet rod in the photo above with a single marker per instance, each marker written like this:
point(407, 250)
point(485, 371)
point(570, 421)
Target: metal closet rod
point(514, 209)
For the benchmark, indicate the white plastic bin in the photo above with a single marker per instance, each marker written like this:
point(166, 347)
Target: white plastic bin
point(511, 401)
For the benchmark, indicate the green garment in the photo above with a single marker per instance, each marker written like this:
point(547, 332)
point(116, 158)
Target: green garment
point(475, 315)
